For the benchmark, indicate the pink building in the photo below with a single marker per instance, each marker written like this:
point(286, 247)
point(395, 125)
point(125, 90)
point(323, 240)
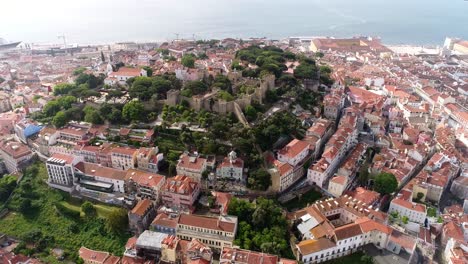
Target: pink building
point(180, 193)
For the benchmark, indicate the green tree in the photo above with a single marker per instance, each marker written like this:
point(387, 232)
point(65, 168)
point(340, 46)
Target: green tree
point(117, 221)
point(385, 183)
point(59, 119)
point(149, 70)
point(88, 209)
point(51, 108)
point(250, 112)
point(419, 196)
point(196, 87)
point(366, 259)
point(133, 111)
point(63, 88)
point(405, 219)
point(7, 185)
point(259, 180)
point(103, 58)
point(93, 117)
point(188, 60)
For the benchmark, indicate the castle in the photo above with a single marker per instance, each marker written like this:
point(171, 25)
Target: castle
point(211, 102)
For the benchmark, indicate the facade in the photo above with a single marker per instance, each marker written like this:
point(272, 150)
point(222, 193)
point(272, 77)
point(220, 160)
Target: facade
point(15, 155)
point(143, 184)
point(61, 172)
point(216, 233)
point(191, 166)
point(415, 212)
point(294, 153)
point(147, 159)
point(338, 185)
point(123, 158)
point(140, 217)
point(283, 175)
point(180, 193)
point(232, 167)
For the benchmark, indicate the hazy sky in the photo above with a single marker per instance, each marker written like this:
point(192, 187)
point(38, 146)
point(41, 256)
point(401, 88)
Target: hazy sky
point(86, 21)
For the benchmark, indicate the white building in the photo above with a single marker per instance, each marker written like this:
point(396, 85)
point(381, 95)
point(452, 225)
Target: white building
point(15, 155)
point(414, 211)
point(232, 167)
point(295, 152)
point(191, 166)
point(123, 74)
point(61, 171)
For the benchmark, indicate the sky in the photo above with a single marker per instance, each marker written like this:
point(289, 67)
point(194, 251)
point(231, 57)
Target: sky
point(103, 21)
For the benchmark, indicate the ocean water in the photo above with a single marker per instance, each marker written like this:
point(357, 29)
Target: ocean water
point(103, 21)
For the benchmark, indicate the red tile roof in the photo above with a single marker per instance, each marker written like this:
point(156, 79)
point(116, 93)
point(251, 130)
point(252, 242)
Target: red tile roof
point(94, 256)
point(206, 222)
point(294, 148)
point(142, 207)
point(144, 178)
point(92, 169)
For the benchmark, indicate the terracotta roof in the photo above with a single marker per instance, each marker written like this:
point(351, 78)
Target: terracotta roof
point(294, 148)
point(15, 149)
point(192, 163)
point(92, 169)
point(366, 196)
point(310, 246)
point(144, 178)
point(403, 240)
point(180, 184)
point(246, 257)
point(142, 207)
point(283, 167)
point(164, 220)
point(347, 231)
point(207, 222)
point(409, 205)
point(112, 260)
point(126, 71)
point(340, 179)
point(367, 225)
point(124, 151)
point(94, 256)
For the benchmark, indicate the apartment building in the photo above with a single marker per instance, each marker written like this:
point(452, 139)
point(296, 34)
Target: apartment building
point(15, 155)
point(215, 232)
point(180, 193)
point(141, 216)
point(414, 211)
point(61, 172)
point(283, 175)
point(192, 166)
point(294, 152)
point(147, 159)
point(338, 185)
point(123, 158)
point(143, 184)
